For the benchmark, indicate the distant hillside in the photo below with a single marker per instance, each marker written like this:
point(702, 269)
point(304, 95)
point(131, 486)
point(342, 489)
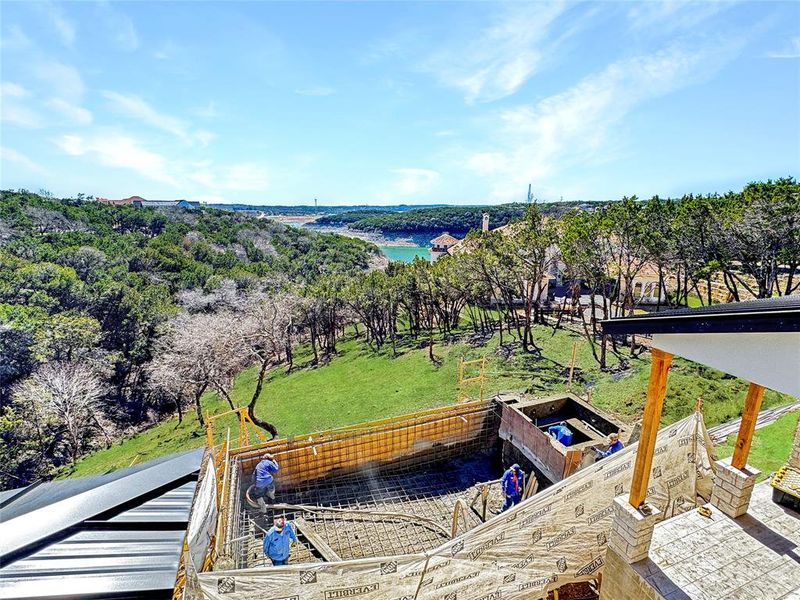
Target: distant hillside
point(455, 219)
point(304, 210)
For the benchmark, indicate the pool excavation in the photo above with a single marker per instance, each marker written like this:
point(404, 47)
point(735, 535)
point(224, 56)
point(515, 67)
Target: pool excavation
point(410, 507)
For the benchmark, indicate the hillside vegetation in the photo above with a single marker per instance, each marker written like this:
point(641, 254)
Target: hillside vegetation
point(360, 385)
point(113, 318)
point(84, 289)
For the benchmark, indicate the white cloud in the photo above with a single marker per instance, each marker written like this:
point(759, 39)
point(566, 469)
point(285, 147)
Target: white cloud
point(242, 177)
point(118, 27)
point(791, 50)
point(316, 91)
point(114, 150)
point(666, 16)
point(497, 61)
point(13, 110)
point(413, 181)
point(74, 113)
point(15, 39)
point(135, 107)
point(444, 133)
point(9, 89)
point(61, 24)
point(578, 126)
point(20, 160)
point(63, 80)
point(209, 111)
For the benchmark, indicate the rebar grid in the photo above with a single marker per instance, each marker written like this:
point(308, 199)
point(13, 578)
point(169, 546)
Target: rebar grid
point(422, 492)
point(418, 468)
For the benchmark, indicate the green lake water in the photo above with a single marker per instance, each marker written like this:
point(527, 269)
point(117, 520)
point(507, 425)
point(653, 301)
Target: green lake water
point(405, 253)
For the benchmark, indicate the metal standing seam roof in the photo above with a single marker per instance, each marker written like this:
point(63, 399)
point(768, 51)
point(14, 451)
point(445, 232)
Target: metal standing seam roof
point(114, 535)
point(768, 315)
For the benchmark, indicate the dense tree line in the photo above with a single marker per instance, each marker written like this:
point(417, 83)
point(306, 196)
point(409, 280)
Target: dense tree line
point(455, 219)
point(126, 315)
point(87, 294)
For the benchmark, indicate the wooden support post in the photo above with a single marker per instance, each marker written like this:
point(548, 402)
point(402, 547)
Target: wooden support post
point(572, 363)
point(752, 404)
point(656, 388)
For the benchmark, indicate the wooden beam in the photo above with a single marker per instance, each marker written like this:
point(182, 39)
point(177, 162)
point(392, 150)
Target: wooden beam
point(316, 540)
point(752, 404)
point(656, 388)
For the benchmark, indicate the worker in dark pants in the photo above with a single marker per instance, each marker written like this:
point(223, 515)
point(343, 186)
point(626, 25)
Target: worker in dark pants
point(614, 446)
point(513, 483)
point(278, 540)
point(264, 484)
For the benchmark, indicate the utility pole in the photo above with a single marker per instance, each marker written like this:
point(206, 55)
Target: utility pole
point(530, 194)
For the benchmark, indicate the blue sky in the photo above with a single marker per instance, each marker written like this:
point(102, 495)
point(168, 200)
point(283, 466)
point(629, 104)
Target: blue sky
point(386, 103)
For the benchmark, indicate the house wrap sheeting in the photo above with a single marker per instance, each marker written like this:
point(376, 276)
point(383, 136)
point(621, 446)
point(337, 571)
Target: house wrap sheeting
point(556, 537)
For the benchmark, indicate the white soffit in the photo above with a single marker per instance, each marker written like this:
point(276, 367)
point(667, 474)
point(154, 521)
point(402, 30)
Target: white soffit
point(771, 360)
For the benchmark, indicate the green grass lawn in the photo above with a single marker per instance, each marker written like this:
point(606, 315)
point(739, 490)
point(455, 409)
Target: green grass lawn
point(771, 445)
point(358, 385)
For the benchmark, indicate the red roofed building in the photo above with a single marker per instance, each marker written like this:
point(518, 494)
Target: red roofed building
point(440, 245)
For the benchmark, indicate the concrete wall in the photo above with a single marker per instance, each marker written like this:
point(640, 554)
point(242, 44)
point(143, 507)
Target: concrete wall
point(622, 582)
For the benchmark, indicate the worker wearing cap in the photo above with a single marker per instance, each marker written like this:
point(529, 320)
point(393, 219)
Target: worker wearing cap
point(278, 540)
point(561, 432)
point(614, 446)
point(513, 483)
point(264, 480)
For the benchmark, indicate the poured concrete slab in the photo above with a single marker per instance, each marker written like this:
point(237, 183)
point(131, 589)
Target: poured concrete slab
point(756, 556)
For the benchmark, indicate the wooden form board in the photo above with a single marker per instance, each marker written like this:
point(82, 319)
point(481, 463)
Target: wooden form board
point(440, 430)
point(316, 540)
point(536, 445)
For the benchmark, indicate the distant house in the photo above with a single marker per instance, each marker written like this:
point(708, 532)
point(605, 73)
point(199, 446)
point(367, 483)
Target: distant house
point(123, 202)
point(140, 202)
point(441, 245)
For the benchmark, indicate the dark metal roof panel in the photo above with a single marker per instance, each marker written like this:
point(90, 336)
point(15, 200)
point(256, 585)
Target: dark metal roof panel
point(97, 563)
point(173, 506)
point(769, 315)
point(38, 519)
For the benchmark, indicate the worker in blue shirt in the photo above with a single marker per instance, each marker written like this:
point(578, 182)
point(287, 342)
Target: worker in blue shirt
point(264, 484)
point(561, 432)
point(614, 446)
point(513, 483)
point(277, 541)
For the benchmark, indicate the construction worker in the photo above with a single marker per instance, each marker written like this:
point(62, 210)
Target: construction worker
point(513, 483)
point(278, 540)
point(614, 446)
point(264, 484)
point(561, 432)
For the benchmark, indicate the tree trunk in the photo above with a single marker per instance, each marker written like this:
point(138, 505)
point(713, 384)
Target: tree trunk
point(251, 407)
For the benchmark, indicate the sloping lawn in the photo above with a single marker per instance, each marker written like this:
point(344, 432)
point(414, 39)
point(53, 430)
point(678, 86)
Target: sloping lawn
point(771, 445)
point(359, 385)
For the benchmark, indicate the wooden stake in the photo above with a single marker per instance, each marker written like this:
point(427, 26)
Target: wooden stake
point(572, 363)
point(752, 404)
point(656, 388)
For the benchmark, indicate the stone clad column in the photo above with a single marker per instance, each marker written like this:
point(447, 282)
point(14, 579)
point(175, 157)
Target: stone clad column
point(632, 529)
point(733, 487)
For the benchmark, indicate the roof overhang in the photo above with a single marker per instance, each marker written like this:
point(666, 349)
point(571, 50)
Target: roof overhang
point(758, 340)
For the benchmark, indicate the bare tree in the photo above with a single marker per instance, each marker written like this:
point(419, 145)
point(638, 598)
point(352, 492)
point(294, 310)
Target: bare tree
point(199, 352)
point(265, 330)
point(62, 402)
